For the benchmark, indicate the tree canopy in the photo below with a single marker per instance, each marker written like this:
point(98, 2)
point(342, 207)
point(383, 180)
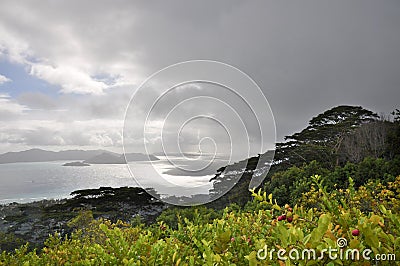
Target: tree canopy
point(322, 139)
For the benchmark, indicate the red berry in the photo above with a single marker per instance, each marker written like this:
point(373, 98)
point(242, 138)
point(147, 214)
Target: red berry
point(290, 209)
point(232, 239)
point(280, 218)
point(284, 217)
point(289, 219)
point(355, 232)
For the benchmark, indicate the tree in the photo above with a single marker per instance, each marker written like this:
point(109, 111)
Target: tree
point(323, 138)
point(234, 181)
point(369, 140)
point(393, 137)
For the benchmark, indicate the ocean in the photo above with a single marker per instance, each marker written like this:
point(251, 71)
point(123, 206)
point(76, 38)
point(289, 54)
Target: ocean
point(27, 182)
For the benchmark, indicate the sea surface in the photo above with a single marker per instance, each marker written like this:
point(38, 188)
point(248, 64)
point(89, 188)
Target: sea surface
point(27, 182)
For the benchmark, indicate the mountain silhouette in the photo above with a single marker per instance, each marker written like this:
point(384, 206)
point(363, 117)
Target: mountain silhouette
point(89, 156)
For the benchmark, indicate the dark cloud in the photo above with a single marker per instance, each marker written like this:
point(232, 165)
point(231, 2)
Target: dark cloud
point(306, 56)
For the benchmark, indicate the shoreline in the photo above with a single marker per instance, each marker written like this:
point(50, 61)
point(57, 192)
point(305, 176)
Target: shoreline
point(5, 202)
point(33, 222)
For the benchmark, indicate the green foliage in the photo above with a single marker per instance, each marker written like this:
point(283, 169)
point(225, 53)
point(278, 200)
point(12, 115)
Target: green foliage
point(322, 139)
point(393, 142)
point(81, 221)
point(330, 199)
point(10, 241)
point(236, 235)
point(197, 215)
point(288, 186)
point(114, 203)
point(234, 182)
point(340, 142)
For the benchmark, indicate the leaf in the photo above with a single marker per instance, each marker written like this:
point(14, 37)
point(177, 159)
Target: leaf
point(103, 227)
point(371, 238)
point(252, 258)
point(225, 236)
point(276, 207)
point(397, 243)
point(174, 256)
point(306, 239)
point(375, 219)
point(283, 234)
point(382, 209)
point(205, 243)
point(330, 242)
point(354, 243)
point(319, 232)
point(324, 221)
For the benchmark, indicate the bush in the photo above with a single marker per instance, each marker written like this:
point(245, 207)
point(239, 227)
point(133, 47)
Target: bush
point(288, 186)
point(236, 235)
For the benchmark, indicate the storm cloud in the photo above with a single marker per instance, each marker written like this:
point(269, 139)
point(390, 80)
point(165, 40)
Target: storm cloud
point(306, 57)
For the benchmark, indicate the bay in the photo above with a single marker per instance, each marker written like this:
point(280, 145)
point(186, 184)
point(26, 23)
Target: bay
point(27, 182)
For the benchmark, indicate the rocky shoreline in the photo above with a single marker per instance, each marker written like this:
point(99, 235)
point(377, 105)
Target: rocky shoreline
point(34, 222)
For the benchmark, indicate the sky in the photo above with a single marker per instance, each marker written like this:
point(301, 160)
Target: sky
point(68, 69)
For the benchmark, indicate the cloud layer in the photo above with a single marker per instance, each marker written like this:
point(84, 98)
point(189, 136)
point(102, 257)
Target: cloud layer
point(306, 56)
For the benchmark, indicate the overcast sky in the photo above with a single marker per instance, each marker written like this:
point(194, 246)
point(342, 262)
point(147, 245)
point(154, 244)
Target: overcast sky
point(69, 68)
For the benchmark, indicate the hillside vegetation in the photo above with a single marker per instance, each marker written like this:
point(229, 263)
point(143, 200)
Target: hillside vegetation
point(334, 186)
point(236, 236)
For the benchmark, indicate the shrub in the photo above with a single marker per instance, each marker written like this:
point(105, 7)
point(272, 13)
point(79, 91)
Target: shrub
point(236, 235)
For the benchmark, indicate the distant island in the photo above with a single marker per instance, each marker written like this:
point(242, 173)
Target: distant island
point(76, 164)
point(87, 157)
